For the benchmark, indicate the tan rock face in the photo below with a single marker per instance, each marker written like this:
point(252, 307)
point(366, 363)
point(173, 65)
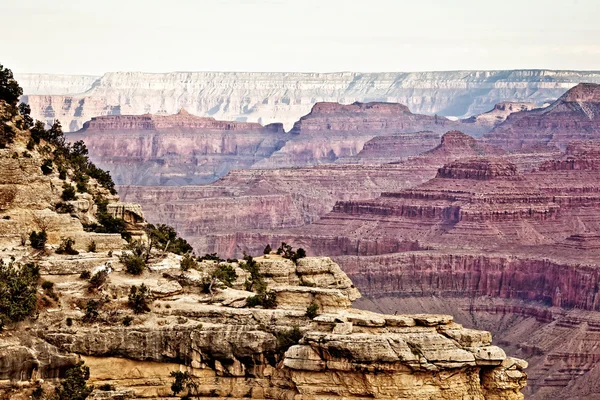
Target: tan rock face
point(236, 353)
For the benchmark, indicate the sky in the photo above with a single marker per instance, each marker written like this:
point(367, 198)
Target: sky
point(97, 36)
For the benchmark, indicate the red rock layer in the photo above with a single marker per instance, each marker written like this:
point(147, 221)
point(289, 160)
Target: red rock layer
point(574, 116)
point(182, 120)
point(176, 149)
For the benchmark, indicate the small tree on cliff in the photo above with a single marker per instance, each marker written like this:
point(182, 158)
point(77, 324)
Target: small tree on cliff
point(10, 91)
point(74, 386)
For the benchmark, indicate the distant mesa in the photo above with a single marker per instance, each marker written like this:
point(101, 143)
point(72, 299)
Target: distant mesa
point(574, 116)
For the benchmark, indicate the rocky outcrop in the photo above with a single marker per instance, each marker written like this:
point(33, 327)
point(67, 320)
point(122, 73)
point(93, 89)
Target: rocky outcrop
point(499, 113)
point(285, 97)
point(332, 131)
point(574, 116)
point(393, 148)
point(236, 352)
point(175, 149)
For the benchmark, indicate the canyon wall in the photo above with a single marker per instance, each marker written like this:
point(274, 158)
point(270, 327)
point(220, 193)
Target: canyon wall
point(177, 149)
point(285, 97)
point(574, 116)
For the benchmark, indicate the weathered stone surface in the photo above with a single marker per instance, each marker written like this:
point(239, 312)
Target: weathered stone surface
point(285, 97)
point(574, 116)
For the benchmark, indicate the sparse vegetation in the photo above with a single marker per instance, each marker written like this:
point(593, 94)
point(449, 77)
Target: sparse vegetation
point(188, 262)
point(66, 247)
point(92, 310)
point(134, 263)
point(288, 338)
point(98, 279)
point(267, 249)
point(68, 193)
point(183, 382)
point(18, 291)
point(85, 275)
point(165, 238)
point(46, 167)
point(69, 321)
point(127, 320)
point(74, 386)
point(211, 257)
point(226, 274)
point(266, 299)
point(312, 310)
point(64, 208)
point(91, 248)
point(38, 239)
point(286, 251)
point(139, 297)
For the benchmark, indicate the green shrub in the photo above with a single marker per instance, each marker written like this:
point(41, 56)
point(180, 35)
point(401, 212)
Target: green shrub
point(62, 173)
point(165, 238)
point(134, 264)
point(47, 167)
point(127, 320)
point(211, 257)
point(183, 381)
point(288, 338)
point(38, 240)
point(66, 247)
point(18, 291)
point(106, 387)
point(312, 310)
point(85, 275)
point(139, 298)
point(10, 91)
point(30, 145)
point(267, 249)
point(226, 274)
point(256, 282)
point(98, 279)
point(47, 285)
point(64, 208)
point(265, 300)
point(188, 262)
point(74, 386)
point(69, 321)
point(68, 193)
point(286, 251)
point(92, 310)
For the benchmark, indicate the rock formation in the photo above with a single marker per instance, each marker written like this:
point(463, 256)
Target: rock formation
point(265, 328)
point(513, 249)
point(332, 131)
point(499, 113)
point(285, 97)
point(574, 116)
point(177, 149)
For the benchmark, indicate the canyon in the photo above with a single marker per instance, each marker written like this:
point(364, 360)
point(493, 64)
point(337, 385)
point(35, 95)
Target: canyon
point(268, 327)
point(285, 97)
point(503, 231)
point(183, 149)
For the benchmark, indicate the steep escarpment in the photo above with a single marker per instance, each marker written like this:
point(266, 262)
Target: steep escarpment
point(285, 97)
point(513, 250)
point(175, 149)
point(332, 131)
point(574, 116)
point(149, 320)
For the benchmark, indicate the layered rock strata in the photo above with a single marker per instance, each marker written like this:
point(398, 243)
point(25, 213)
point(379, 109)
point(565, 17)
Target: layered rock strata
point(176, 149)
point(574, 116)
point(285, 97)
point(332, 131)
point(232, 351)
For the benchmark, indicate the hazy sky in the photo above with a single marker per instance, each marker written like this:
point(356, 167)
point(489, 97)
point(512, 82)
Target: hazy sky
point(92, 37)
